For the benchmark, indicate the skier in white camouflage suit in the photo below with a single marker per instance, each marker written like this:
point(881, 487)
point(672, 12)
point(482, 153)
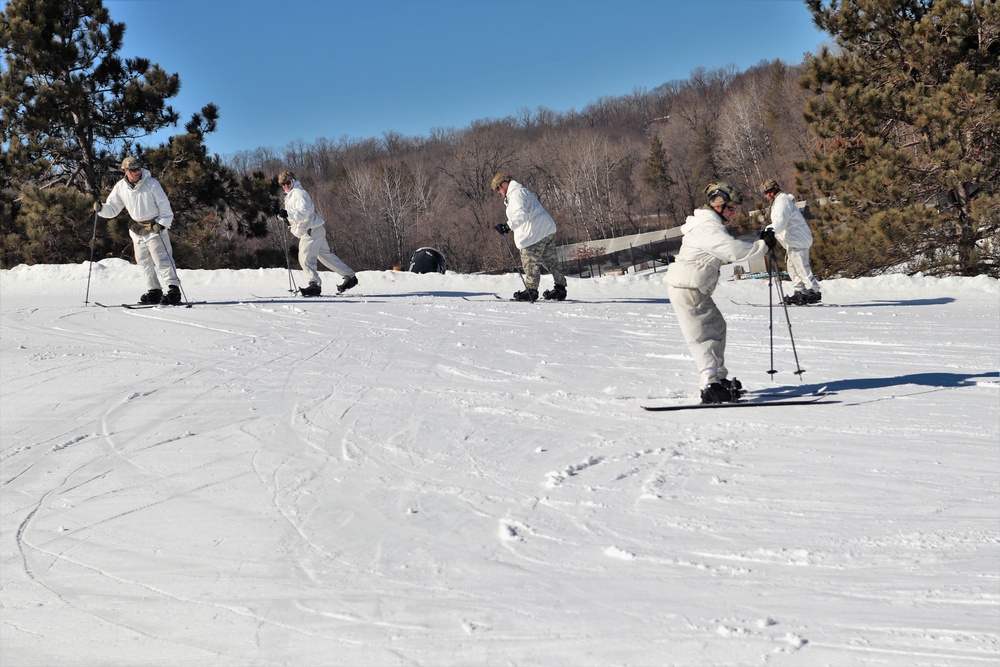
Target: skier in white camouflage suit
point(793, 233)
point(692, 278)
point(534, 234)
point(149, 210)
point(308, 227)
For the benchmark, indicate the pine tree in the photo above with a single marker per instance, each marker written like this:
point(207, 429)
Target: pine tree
point(72, 108)
point(907, 116)
point(70, 103)
point(656, 173)
point(213, 207)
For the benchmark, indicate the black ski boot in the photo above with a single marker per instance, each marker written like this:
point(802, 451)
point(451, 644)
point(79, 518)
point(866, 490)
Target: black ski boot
point(312, 289)
point(734, 386)
point(172, 297)
point(526, 295)
point(814, 296)
point(797, 299)
point(716, 393)
point(349, 282)
point(557, 293)
point(153, 296)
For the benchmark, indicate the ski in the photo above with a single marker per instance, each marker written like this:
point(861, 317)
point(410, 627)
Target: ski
point(130, 306)
point(804, 399)
point(790, 305)
point(484, 300)
point(325, 298)
point(297, 296)
point(144, 306)
point(543, 300)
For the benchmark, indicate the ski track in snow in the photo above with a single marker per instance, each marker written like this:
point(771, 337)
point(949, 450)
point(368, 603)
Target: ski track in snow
point(407, 477)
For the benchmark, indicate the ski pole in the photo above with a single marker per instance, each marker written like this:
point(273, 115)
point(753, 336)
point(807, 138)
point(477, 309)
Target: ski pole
point(90, 269)
point(292, 287)
point(170, 256)
point(517, 263)
point(770, 311)
point(781, 295)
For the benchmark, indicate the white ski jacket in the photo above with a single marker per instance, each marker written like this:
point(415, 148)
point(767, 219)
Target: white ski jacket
point(705, 247)
point(526, 217)
point(145, 201)
point(790, 228)
point(302, 215)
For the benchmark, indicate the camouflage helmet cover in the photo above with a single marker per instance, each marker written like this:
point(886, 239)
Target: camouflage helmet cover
point(770, 185)
point(131, 163)
point(286, 177)
point(720, 194)
point(499, 179)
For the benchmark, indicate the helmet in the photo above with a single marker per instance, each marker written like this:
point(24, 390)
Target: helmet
point(770, 185)
point(131, 163)
point(721, 194)
point(499, 180)
point(285, 177)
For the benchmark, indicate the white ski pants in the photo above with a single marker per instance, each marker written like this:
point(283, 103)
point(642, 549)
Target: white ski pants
point(797, 262)
point(704, 331)
point(155, 257)
point(313, 247)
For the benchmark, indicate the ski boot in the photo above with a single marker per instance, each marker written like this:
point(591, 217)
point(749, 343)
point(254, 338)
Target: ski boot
point(557, 293)
point(734, 386)
point(797, 299)
point(526, 295)
point(312, 289)
point(172, 297)
point(153, 296)
point(716, 393)
point(349, 282)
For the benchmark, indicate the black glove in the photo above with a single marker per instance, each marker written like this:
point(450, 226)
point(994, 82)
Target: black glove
point(767, 236)
point(274, 208)
point(284, 214)
point(502, 228)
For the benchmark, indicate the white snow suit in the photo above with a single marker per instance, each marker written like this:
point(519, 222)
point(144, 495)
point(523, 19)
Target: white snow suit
point(526, 217)
point(692, 278)
point(793, 233)
point(147, 204)
point(307, 226)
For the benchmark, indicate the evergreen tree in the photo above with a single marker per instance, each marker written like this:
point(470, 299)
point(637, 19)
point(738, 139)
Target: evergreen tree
point(48, 217)
point(72, 109)
point(907, 118)
point(656, 173)
point(69, 107)
point(70, 103)
point(214, 209)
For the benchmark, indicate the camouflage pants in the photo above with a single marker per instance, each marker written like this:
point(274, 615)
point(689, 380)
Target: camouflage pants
point(542, 254)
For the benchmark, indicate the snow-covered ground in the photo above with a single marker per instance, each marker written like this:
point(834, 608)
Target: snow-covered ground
point(420, 473)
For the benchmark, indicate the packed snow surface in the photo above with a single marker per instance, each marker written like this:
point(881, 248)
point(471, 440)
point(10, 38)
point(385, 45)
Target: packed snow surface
point(420, 472)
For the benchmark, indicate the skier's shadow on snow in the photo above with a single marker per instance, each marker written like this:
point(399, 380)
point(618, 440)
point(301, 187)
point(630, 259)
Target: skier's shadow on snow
point(493, 296)
point(912, 302)
point(485, 296)
point(878, 303)
point(279, 300)
point(932, 380)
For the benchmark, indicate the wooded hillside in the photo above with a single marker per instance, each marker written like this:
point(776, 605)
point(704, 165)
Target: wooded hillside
point(894, 129)
point(619, 166)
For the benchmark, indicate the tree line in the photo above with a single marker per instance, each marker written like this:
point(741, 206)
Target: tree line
point(890, 134)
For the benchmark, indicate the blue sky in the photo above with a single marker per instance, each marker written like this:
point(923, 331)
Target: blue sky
point(297, 70)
